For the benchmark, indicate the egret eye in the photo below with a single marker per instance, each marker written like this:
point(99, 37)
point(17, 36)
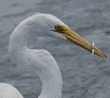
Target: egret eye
point(57, 27)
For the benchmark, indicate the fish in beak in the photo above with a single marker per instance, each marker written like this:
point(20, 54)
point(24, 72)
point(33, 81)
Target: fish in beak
point(78, 40)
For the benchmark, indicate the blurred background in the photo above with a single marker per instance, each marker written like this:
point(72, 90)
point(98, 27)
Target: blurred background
point(84, 75)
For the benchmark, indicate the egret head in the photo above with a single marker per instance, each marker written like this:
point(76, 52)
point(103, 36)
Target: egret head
point(51, 26)
point(45, 23)
point(54, 27)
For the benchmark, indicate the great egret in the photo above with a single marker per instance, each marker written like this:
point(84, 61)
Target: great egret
point(41, 60)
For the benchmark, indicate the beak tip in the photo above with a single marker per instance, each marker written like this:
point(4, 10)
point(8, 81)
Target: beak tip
point(105, 57)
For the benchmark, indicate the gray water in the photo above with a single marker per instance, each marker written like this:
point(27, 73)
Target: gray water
point(84, 75)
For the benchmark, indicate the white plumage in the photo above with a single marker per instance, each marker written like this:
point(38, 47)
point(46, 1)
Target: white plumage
point(40, 62)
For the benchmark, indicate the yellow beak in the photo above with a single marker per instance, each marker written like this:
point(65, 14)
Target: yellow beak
point(78, 40)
